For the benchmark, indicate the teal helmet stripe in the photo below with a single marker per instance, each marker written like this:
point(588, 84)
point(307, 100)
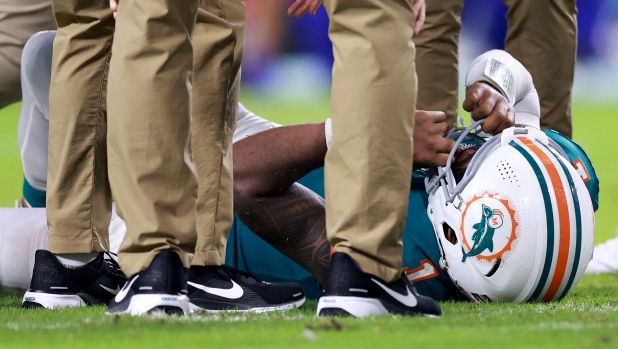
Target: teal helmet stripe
point(549, 213)
point(578, 223)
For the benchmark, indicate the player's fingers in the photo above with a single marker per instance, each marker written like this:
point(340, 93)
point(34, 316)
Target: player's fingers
point(303, 10)
point(437, 116)
point(422, 119)
point(315, 5)
point(440, 128)
point(420, 20)
point(440, 159)
point(473, 95)
point(113, 5)
point(294, 7)
point(503, 126)
point(483, 109)
point(417, 6)
point(511, 115)
point(508, 122)
point(494, 120)
point(445, 145)
point(502, 116)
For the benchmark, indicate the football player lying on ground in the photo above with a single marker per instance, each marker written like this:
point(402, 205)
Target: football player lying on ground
point(33, 135)
point(497, 244)
point(291, 217)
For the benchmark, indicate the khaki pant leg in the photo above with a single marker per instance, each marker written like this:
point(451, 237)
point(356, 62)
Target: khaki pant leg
point(218, 46)
point(437, 58)
point(151, 172)
point(542, 35)
point(78, 194)
point(19, 20)
point(369, 164)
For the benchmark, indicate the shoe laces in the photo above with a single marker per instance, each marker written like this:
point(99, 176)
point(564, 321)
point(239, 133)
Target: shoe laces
point(111, 263)
point(234, 273)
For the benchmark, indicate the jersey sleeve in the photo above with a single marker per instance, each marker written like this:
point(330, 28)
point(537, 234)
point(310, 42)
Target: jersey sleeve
point(247, 124)
point(581, 162)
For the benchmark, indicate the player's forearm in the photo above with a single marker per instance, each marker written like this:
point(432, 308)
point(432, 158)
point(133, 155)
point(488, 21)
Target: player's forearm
point(292, 221)
point(269, 162)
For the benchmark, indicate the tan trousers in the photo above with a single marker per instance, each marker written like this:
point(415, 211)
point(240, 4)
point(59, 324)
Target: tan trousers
point(19, 20)
point(542, 35)
point(369, 163)
point(152, 173)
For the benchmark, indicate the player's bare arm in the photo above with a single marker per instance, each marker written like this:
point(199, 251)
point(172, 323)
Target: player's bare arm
point(267, 200)
point(291, 217)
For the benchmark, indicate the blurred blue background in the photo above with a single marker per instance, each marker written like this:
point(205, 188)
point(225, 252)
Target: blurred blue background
point(289, 59)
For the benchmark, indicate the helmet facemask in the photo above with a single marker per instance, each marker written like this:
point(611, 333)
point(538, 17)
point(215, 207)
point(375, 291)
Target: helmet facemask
point(489, 221)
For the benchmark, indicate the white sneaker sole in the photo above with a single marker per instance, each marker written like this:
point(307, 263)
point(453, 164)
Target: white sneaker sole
point(142, 304)
point(52, 301)
point(356, 306)
point(282, 307)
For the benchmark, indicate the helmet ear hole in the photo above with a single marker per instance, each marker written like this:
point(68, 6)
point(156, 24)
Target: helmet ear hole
point(449, 234)
point(495, 267)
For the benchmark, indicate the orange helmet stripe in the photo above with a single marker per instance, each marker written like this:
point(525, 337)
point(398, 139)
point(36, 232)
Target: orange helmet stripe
point(563, 216)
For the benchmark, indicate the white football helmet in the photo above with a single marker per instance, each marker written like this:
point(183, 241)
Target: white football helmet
point(519, 225)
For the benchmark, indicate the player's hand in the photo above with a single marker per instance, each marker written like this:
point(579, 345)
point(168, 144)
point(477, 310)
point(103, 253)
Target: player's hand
point(485, 102)
point(431, 148)
point(418, 6)
point(113, 5)
point(300, 7)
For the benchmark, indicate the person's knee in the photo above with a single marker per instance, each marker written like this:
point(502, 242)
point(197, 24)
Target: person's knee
point(37, 55)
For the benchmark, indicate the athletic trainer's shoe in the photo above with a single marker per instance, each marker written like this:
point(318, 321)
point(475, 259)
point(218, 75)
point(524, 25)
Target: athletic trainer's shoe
point(160, 287)
point(54, 285)
point(351, 292)
point(215, 289)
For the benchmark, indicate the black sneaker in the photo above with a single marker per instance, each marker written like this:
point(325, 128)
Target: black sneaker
point(351, 292)
point(222, 288)
point(54, 285)
point(160, 287)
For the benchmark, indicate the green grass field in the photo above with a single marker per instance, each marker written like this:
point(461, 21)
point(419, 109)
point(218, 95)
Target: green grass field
point(588, 317)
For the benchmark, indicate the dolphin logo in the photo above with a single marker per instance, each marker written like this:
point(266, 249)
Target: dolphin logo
point(483, 236)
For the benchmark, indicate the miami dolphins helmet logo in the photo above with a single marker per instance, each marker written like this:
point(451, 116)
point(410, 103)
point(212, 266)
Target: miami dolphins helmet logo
point(492, 236)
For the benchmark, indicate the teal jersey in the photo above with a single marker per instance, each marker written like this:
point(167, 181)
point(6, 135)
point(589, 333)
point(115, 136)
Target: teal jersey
point(246, 251)
point(580, 160)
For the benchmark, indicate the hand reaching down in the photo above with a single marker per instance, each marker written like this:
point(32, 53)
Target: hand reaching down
point(485, 102)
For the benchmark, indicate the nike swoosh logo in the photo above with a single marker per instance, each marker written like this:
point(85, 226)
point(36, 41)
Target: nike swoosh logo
point(408, 299)
point(111, 290)
point(230, 293)
point(123, 293)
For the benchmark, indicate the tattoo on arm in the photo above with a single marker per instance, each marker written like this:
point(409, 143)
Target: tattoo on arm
point(292, 221)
